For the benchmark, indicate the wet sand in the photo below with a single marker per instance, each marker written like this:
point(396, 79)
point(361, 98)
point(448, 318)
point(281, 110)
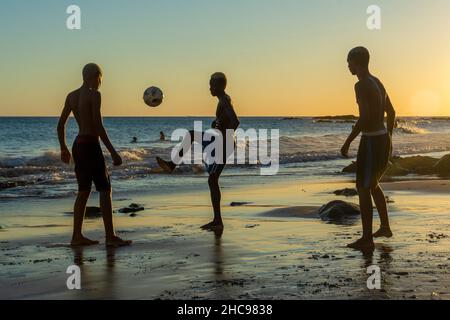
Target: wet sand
point(274, 247)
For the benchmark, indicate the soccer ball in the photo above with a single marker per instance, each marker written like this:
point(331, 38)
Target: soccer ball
point(153, 96)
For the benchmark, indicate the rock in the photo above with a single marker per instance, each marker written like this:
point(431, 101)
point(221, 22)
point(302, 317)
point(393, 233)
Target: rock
point(341, 118)
point(346, 192)
point(416, 164)
point(442, 167)
point(239, 204)
point(337, 210)
point(350, 168)
point(420, 165)
point(93, 212)
point(132, 208)
point(14, 184)
point(396, 170)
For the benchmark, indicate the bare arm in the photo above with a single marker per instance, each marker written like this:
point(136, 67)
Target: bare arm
point(390, 111)
point(65, 154)
point(98, 124)
point(355, 132)
point(363, 105)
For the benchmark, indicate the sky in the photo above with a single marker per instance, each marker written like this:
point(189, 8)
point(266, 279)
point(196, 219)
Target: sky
point(281, 57)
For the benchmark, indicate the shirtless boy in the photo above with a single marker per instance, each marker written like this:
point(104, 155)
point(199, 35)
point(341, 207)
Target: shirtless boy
point(375, 146)
point(226, 119)
point(90, 165)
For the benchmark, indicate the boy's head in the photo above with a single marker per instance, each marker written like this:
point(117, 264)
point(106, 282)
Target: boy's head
point(358, 60)
point(217, 84)
point(92, 76)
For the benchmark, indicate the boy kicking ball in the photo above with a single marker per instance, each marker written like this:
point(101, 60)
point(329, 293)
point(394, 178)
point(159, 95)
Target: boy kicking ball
point(226, 119)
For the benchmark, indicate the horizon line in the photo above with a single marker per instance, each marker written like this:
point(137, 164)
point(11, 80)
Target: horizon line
point(212, 116)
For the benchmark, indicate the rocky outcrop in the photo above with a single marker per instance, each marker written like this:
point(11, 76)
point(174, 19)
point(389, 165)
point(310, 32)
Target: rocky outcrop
point(338, 210)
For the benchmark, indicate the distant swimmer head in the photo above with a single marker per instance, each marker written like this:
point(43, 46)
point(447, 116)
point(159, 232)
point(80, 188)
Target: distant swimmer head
point(358, 59)
point(92, 75)
point(218, 83)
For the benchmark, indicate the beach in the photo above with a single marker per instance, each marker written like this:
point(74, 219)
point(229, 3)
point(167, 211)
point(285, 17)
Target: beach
point(273, 247)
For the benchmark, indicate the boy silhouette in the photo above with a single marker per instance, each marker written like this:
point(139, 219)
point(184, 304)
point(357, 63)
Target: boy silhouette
point(375, 146)
point(90, 166)
point(226, 119)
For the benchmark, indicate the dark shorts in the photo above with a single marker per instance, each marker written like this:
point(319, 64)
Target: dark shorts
point(213, 168)
point(372, 161)
point(90, 164)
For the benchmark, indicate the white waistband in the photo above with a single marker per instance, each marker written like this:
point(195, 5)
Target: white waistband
point(375, 133)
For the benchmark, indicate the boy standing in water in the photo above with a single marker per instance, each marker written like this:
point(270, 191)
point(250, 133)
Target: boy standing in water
point(90, 164)
point(375, 146)
point(226, 119)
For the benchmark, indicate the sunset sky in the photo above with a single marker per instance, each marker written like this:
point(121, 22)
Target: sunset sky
point(282, 57)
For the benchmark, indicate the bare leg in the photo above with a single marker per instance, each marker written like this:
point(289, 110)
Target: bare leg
point(106, 208)
point(78, 216)
point(380, 201)
point(365, 203)
point(214, 189)
point(169, 166)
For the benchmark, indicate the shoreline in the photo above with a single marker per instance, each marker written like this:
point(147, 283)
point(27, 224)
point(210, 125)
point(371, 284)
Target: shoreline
point(262, 254)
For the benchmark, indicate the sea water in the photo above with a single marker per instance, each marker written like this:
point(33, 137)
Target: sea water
point(30, 165)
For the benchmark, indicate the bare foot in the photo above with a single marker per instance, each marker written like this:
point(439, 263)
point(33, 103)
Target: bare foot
point(117, 242)
point(384, 232)
point(362, 244)
point(213, 226)
point(82, 241)
point(166, 166)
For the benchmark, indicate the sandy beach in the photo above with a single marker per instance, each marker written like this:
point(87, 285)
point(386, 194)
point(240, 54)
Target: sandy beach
point(273, 247)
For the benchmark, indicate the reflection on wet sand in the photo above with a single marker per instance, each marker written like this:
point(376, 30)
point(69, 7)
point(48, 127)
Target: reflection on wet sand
point(96, 282)
point(218, 254)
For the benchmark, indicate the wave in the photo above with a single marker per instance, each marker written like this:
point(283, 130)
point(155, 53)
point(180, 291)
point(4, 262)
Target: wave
point(410, 127)
point(46, 176)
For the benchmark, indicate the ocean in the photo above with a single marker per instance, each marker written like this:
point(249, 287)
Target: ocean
point(309, 149)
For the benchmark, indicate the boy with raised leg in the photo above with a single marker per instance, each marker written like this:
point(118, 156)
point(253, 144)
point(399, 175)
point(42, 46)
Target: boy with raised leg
point(226, 119)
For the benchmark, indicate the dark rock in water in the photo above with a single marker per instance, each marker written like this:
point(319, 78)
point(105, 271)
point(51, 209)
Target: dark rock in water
point(238, 204)
point(389, 200)
point(344, 117)
point(14, 184)
point(133, 215)
point(350, 168)
point(396, 170)
point(416, 164)
point(346, 192)
point(419, 165)
point(411, 165)
point(134, 207)
point(93, 212)
point(442, 167)
point(338, 210)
